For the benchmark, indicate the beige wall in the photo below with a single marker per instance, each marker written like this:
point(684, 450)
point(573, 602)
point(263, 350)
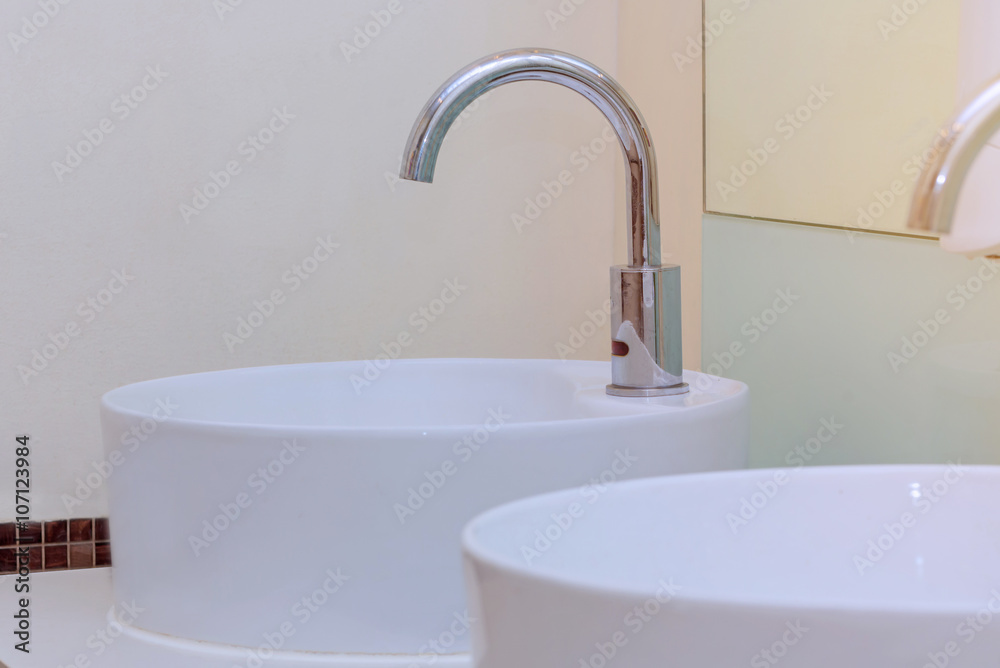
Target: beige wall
point(326, 175)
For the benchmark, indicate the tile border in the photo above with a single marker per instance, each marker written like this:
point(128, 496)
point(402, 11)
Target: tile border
point(56, 545)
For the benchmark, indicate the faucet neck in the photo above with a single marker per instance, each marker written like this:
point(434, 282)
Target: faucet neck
point(563, 69)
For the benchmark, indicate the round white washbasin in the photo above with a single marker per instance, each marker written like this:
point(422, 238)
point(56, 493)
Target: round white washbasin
point(314, 512)
point(867, 567)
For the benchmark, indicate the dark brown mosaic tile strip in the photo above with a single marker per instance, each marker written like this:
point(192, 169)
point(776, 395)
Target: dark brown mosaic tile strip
point(101, 529)
point(56, 545)
point(102, 554)
point(56, 532)
point(81, 555)
point(8, 534)
point(34, 559)
point(81, 531)
point(56, 558)
point(29, 533)
point(8, 560)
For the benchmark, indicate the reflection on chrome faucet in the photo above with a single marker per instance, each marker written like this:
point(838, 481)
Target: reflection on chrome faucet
point(955, 150)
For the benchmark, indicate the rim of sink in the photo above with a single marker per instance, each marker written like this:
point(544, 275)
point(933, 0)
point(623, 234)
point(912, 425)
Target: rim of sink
point(582, 382)
point(536, 510)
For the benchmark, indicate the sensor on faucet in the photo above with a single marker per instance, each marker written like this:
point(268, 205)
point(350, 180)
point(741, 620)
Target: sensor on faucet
point(646, 353)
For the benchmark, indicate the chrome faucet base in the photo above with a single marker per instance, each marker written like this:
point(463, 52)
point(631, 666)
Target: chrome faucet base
point(645, 295)
point(646, 329)
point(638, 392)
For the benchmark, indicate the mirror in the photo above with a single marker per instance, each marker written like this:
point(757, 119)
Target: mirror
point(822, 113)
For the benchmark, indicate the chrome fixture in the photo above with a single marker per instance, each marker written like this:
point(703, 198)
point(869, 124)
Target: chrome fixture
point(646, 358)
point(955, 150)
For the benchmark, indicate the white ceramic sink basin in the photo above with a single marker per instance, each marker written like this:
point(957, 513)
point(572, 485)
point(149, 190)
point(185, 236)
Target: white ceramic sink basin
point(306, 515)
point(867, 567)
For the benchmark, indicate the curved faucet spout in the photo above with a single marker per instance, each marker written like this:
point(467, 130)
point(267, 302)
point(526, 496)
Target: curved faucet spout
point(955, 151)
point(566, 70)
point(646, 358)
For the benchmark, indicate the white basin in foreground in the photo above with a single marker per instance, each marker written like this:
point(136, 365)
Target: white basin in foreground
point(867, 567)
point(281, 508)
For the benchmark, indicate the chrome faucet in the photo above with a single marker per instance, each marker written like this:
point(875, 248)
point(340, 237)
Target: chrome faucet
point(646, 359)
point(955, 150)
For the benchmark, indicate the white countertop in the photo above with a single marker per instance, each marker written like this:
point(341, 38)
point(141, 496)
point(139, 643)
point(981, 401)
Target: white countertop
point(71, 628)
